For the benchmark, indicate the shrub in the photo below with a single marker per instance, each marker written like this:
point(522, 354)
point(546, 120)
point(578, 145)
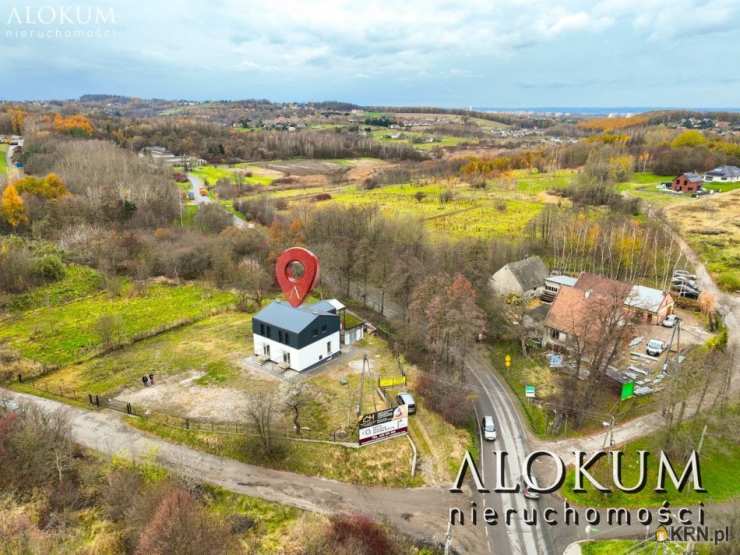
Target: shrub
point(321, 197)
point(446, 196)
point(357, 534)
point(48, 268)
point(212, 218)
point(451, 401)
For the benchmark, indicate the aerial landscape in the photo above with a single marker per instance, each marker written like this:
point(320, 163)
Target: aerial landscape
point(367, 279)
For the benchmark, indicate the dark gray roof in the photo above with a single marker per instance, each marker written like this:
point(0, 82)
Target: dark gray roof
point(530, 272)
point(725, 171)
point(324, 306)
point(280, 314)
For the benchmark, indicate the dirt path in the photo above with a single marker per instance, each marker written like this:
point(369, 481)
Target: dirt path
point(420, 512)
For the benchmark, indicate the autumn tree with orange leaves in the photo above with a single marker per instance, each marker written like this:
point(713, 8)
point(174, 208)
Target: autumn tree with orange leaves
point(12, 207)
point(76, 124)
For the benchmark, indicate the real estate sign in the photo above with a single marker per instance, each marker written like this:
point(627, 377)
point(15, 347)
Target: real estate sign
point(384, 424)
point(529, 391)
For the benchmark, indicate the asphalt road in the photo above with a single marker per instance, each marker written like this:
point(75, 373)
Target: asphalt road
point(518, 537)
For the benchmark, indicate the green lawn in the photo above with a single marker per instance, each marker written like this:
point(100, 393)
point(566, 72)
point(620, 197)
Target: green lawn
point(644, 185)
point(78, 281)
point(720, 469)
point(61, 334)
point(3, 159)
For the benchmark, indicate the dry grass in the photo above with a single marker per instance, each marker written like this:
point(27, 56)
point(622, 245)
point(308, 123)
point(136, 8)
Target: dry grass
point(712, 227)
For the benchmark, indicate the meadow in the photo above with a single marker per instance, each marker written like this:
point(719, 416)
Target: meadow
point(709, 225)
point(500, 210)
point(58, 335)
point(212, 174)
point(720, 470)
point(419, 139)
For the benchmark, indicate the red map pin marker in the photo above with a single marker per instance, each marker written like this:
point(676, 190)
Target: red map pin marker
point(297, 288)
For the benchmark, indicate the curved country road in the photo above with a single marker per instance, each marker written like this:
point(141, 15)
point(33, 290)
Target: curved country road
point(420, 512)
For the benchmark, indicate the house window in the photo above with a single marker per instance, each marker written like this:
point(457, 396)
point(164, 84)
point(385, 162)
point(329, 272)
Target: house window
point(554, 334)
point(323, 328)
point(280, 336)
point(269, 331)
point(315, 332)
point(262, 329)
point(286, 357)
point(328, 347)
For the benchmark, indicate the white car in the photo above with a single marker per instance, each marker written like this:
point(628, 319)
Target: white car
point(670, 321)
point(488, 427)
point(655, 347)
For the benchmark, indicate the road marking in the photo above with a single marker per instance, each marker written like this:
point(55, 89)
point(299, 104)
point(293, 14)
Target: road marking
point(532, 537)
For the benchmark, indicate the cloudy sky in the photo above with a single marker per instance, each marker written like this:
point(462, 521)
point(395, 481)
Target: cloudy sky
point(495, 53)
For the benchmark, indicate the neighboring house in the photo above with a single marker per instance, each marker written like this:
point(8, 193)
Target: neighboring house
point(574, 314)
point(723, 174)
point(553, 285)
point(688, 183)
point(575, 310)
point(296, 338)
point(524, 278)
point(648, 304)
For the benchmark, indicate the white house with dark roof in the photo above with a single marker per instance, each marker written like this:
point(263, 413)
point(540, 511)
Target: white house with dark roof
point(296, 338)
point(723, 174)
point(523, 277)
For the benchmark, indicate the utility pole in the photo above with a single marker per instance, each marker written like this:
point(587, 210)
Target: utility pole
point(365, 363)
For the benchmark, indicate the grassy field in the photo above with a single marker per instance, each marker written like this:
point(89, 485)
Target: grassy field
point(634, 547)
point(3, 159)
point(61, 334)
point(471, 212)
point(419, 139)
point(212, 345)
point(644, 186)
point(211, 174)
point(78, 282)
point(720, 469)
point(386, 464)
point(710, 226)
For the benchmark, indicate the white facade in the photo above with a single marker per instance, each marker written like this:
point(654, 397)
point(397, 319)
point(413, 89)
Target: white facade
point(296, 359)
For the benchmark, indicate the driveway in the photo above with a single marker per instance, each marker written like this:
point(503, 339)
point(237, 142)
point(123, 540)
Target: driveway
point(196, 184)
point(420, 512)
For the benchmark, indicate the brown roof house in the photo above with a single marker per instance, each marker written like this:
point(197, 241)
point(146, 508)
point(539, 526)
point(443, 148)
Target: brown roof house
point(583, 314)
point(688, 183)
point(525, 278)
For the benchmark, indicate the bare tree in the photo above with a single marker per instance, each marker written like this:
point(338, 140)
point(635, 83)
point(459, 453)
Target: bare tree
point(296, 397)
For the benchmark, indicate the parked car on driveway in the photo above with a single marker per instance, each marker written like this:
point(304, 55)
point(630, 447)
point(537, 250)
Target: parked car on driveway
point(655, 347)
point(408, 400)
point(488, 428)
point(670, 321)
